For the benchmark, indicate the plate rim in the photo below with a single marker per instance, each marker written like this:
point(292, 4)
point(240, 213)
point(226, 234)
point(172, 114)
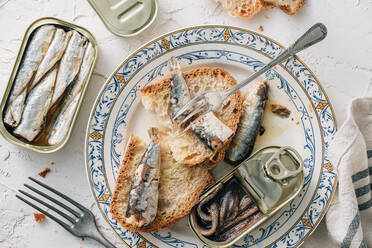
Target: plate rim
point(160, 37)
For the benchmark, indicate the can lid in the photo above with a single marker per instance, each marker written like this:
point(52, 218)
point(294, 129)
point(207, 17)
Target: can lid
point(126, 17)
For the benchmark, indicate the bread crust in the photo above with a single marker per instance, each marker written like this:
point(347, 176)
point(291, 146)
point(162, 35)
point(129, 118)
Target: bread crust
point(244, 11)
point(234, 116)
point(285, 9)
point(124, 179)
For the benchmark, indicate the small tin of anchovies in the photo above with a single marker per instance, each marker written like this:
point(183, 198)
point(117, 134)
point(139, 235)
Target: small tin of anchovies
point(249, 125)
point(6, 131)
point(271, 177)
point(143, 195)
point(126, 18)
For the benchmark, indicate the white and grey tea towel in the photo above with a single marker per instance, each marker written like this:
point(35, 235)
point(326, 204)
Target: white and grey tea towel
point(349, 218)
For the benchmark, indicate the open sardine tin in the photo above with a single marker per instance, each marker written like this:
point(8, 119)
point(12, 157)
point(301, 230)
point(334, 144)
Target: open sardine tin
point(28, 34)
point(272, 177)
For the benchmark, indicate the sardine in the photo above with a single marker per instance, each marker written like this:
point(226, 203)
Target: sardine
point(209, 129)
point(180, 94)
point(35, 51)
point(54, 53)
point(37, 106)
point(69, 104)
point(250, 122)
point(143, 195)
point(69, 65)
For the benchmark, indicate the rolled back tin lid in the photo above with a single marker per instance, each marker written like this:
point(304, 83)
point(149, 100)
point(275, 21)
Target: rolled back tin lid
point(126, 17)
point(272, 176)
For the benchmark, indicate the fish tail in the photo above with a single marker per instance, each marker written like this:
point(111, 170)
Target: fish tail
point(174, 65)
point(154, 134)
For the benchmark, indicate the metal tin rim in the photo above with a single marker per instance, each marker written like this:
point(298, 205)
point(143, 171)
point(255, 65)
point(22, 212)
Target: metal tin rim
point(264, 217)
point(131, 34)
point(35, 24)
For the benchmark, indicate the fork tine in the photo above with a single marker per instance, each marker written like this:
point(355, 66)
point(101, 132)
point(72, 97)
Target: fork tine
point(188, 106)
point(195, 111)
point(198, 118)
point(81, 207)
point(63, 224)
point(48, 206)
point(53, 200)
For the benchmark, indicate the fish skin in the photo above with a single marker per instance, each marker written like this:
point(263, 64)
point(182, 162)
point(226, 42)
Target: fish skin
point(248, 128)
point(144, 192)
point(69, 65)
point(34, 53)
point(37, 106)
point(54, 53)
point(69, 104)
point(214, 137)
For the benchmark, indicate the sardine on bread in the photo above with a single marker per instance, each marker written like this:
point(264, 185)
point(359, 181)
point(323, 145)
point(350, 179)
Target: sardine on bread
point(179, 188)
point(190, 148)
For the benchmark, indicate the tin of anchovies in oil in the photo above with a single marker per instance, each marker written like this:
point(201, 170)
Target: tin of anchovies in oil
point(246, 197)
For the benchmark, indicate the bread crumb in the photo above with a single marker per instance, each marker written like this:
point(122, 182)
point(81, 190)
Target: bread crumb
point(52, 163)
point(21, 210)
point(82, 238)
point(260, 28)
point(280, 110)
point(55, 230)
point(44, 172)
point(39, 217)
point(297, 123)
point(267, 17)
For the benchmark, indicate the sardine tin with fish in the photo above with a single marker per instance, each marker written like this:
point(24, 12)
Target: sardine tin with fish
point(247, 196)
point(26, 131)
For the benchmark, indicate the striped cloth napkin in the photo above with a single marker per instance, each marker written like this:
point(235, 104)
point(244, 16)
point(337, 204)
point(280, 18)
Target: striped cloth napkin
point(349, 218)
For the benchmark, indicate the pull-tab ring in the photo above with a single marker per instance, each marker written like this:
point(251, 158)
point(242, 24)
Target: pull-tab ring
point(275, 167)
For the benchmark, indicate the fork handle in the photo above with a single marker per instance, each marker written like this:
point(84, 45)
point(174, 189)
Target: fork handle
point(312, 36)
point(98, 236)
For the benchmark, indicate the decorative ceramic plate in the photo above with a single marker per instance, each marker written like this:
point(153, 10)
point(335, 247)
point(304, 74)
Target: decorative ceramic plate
point(118, 111)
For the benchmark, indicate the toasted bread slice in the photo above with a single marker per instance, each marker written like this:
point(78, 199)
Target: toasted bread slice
point(290, 7)
point(187, 148)
point(179, 187)
point(242, 8)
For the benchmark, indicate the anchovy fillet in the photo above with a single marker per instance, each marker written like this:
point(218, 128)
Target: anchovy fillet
point(34, 53)
point(249, 125)
point(37, 107)
point(143, 195)
point(54, 53)
point(69, 65)
point(209, 129)
point(69, 104)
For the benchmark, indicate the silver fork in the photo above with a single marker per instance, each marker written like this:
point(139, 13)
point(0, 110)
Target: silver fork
point(82, 225)
point(212, 100)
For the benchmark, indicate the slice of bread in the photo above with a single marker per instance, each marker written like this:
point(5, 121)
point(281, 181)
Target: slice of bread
point(291, 7)
point(187, 148)
point(179, 187)
point(242, 8)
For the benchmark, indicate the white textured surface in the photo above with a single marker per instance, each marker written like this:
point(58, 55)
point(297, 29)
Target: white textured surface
point(342, 64)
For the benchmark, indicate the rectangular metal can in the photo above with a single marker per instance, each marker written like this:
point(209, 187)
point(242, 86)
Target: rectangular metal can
point(240, 174)
point(37, 23)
